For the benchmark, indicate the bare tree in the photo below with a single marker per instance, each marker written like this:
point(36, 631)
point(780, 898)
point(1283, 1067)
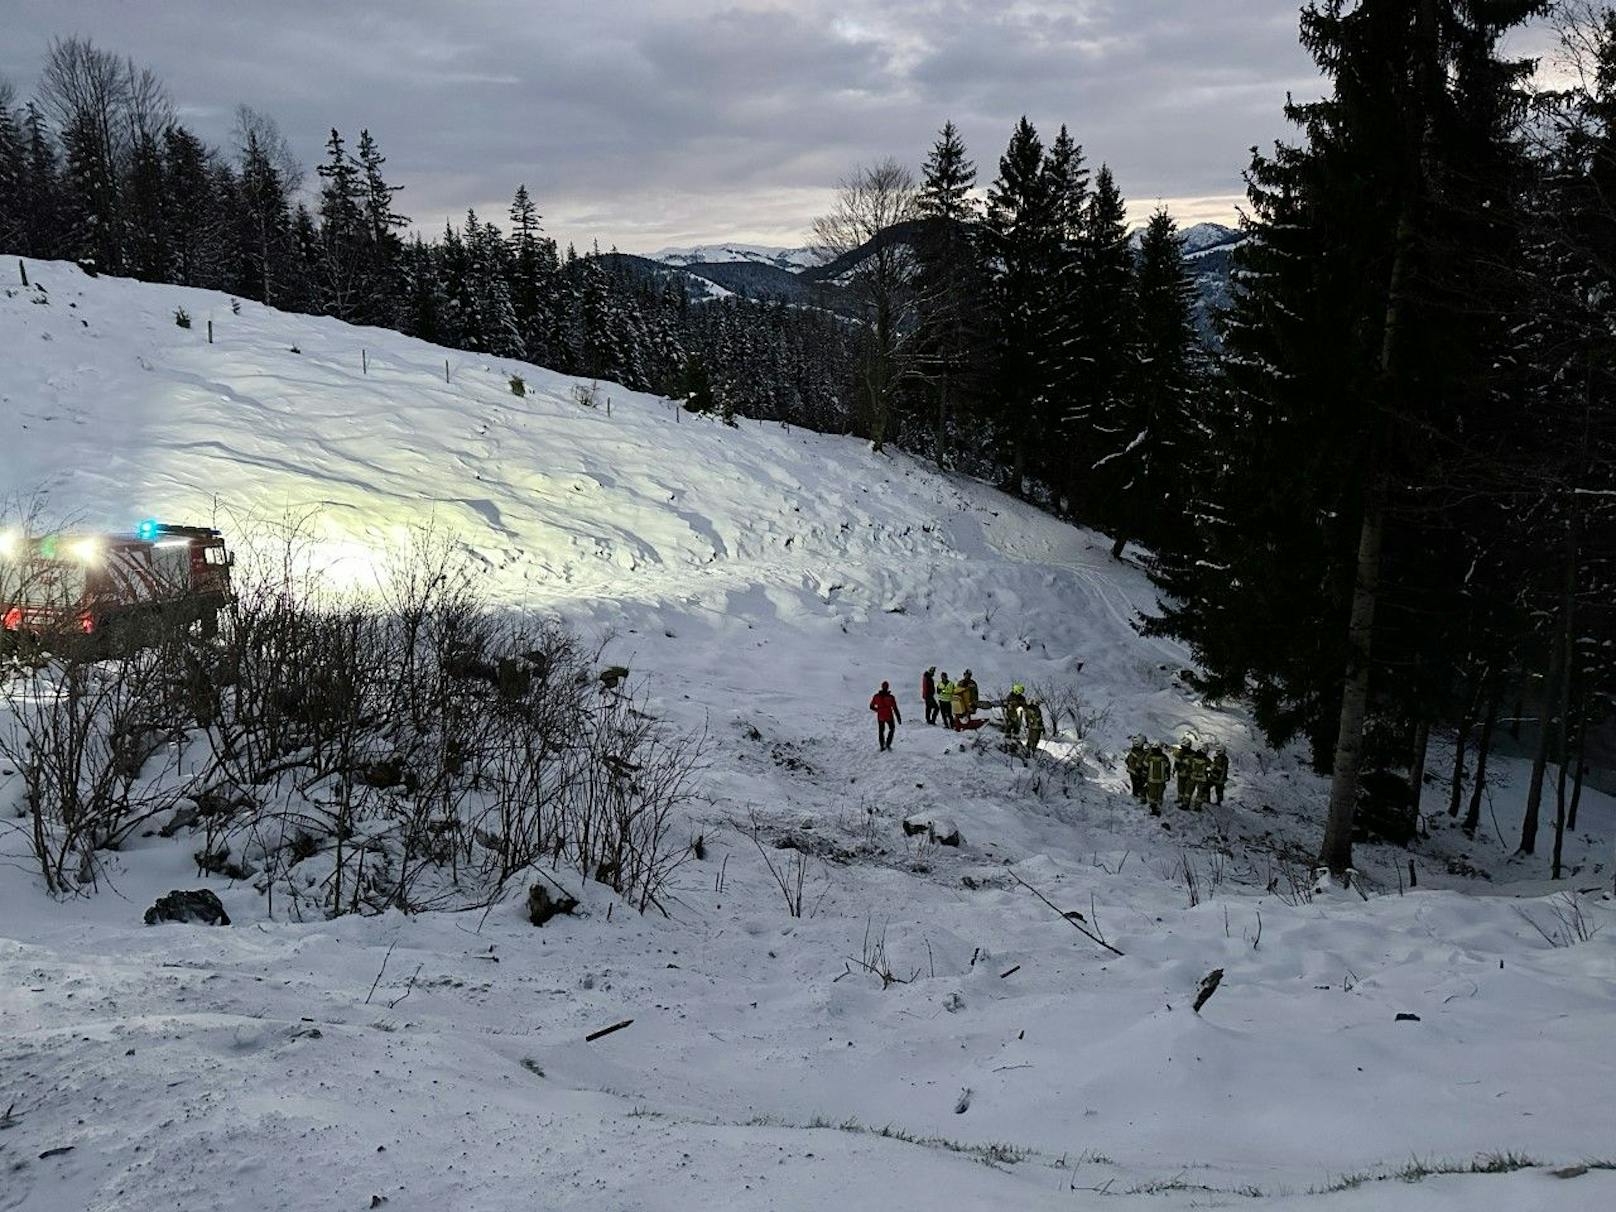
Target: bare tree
point(88, 88)
point(869, 203)
point(257, 129)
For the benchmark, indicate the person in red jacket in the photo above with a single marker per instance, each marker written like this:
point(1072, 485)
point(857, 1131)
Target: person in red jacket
point(928, 693)
point(887, 715)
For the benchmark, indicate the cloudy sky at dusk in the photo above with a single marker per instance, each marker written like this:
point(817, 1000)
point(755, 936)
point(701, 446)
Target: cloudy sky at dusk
point(645, 123)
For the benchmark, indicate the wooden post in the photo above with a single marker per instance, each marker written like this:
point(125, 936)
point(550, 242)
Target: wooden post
point(446, 370)
point(210, 332)
point(364, 361)
point(22, 271)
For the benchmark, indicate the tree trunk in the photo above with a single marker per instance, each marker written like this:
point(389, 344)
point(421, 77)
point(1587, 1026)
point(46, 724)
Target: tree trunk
point(1568, 660)
point(1461, 740)
point(1582, 768)
point(1540, 759)
point(1416, 768)
point(1119, 546)
point(940, 441)
point(1484, 748)
point(1336, 852)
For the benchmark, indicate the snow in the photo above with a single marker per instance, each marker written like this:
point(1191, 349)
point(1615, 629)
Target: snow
point(791, 259)
point(763, 581)
point(1198, 238)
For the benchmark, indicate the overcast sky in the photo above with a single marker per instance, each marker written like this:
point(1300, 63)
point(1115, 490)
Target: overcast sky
point(645, 123)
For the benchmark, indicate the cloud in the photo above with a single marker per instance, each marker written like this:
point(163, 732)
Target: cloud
point(649, 122)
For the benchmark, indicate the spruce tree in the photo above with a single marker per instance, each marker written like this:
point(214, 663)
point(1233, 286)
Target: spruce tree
point(533, 272)
point(264, 225)
point(1159, 473)
point(344, 233)
point(13, 174)
point(1066, 356)
point(190, 208)
point(40, 209)
point(149, 256)
point(1020, 235)
point(1104, 423)
point(949, 284)
point(382, 223)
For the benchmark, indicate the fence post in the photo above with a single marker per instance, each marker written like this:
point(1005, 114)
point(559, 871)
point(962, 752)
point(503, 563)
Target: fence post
point(364, 361)
point(210, 332)
point(446, 370)
point(22, 270)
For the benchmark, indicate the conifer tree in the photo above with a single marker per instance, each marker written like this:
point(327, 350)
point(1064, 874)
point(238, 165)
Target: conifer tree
point(1066, 358)
point(1020, 237)
point(13, 172)
point(1157, 473)
point(1103, 424)
point(344, 232)
point(264, 232)
point(949, 284)
point(382, 224)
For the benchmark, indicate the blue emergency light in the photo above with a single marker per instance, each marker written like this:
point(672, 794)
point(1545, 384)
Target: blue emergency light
point(147, 529)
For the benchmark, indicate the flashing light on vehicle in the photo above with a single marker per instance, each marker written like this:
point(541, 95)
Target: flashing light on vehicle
point(10, 544)
point(147, 530)
point(85, 551)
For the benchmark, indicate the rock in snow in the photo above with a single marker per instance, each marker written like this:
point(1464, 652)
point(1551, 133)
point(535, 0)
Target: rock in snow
point(199, 907)
point(939, 829)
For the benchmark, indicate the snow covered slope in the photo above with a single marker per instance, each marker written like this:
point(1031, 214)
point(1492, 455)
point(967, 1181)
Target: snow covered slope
point(763, 581)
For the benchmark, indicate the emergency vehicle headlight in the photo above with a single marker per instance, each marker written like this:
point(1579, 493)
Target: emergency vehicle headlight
point(86, 551)
point(10, 544)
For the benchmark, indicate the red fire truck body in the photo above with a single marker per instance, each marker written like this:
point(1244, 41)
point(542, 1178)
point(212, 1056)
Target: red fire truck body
point(96, 584)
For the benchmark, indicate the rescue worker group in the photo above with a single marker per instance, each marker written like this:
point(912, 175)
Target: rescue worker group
point(1201, 776)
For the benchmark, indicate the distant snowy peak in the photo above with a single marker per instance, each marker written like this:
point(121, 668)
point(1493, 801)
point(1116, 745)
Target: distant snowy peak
point(789, 259)
point(1199, 237)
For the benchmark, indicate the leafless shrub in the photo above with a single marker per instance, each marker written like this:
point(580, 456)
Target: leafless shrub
point(1066, 707)
point(410, 752)
point(1190, 876)
point(873, 959)
point(790, 875)
point(1292, 884)
point(1572, 924)
point(83, 737)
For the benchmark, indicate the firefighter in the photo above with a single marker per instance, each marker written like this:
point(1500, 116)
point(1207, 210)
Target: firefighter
point(1015, 703)
point(928, 693)
point(1157, 767)
point(1217, 774)
point(962, 701)
point(1181, 767)
point(1034, 718)
point(945, 700)
point(970, 686)
point(887, 715)
point(1199, 771)
point(1135, 762)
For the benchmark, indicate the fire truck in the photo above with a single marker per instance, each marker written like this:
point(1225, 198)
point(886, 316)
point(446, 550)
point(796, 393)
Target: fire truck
point(113, 588)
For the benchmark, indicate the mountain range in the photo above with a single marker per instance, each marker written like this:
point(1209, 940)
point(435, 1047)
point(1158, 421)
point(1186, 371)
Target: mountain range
point(801, 276)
